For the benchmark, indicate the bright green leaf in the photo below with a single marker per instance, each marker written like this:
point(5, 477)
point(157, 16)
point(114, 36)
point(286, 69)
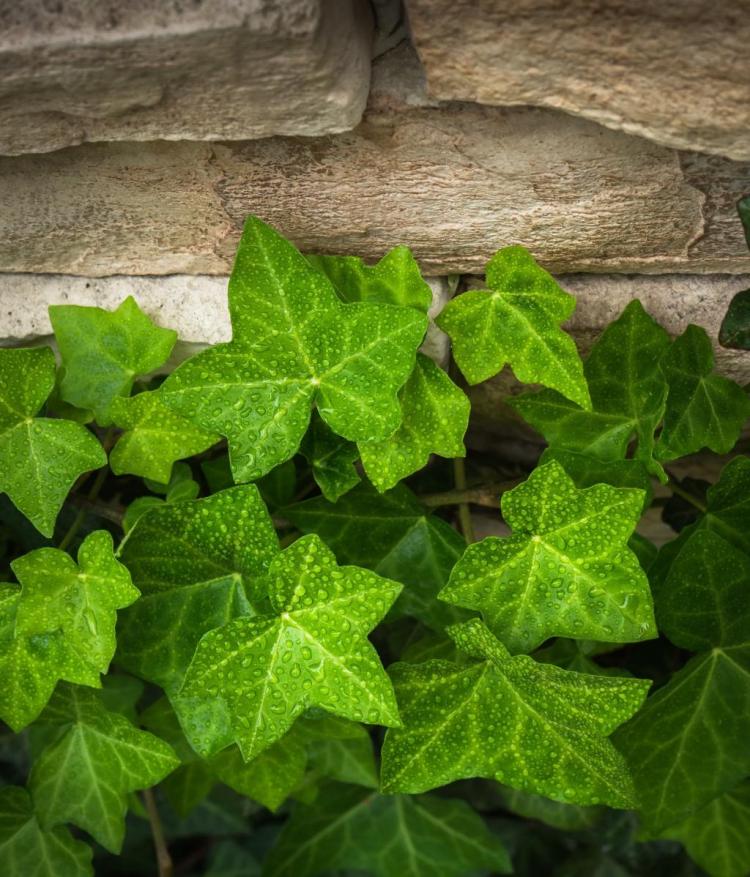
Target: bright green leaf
point(27, 850)
point(717, 837)
point(565, 571)
point(628, 394)
point(689, 742)
point(393, 535)
point(703, 409)
point(531, 726)
point(294, 346)
point(40, 458)
point(257, 675)
point(103, 351)
point(154, 437)
point(435, 415)
point(516, 321)
point(331, 459)
point(350, 828)
point(586, 471)
point(79, 600)
point(97, 758)
point(29, 665)
point(198, 565)
point(395, 279)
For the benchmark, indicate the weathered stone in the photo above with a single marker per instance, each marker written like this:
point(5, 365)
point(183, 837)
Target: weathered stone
point(91, 70)
point(672, 299)
point(677, 73)
point(454, 182)
point(195, 306)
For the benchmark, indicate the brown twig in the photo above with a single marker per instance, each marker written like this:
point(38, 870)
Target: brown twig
point(464, 512)
point(163, 859)
point(486, 495)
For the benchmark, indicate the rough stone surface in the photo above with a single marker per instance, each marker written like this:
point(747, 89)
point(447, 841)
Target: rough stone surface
point(195, 306)
point(676, 73)
point(674, 300)
point(90, 70)
point(455, 182)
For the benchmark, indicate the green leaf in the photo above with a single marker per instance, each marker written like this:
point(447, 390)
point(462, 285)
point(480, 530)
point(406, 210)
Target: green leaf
point(79, 600)
point(155, 437)
point(628, 395)
point(703, 409)
point(97, 758)
point(229, 859)
point(395, 279)
point(40, 458)
point(727, 514)
point(103, 351)
point(689, 742)
point(331, 459)
point(586, 471)
point(257, 675)
point(531, 726)
point(27, 850)
point(198, 565)
point(29, 665)
point(393, 535)
point(350, 828)
point(294, 346)
point(516, 321)
point(734, 331)
point(340, 750)
point(435, 415)
point(565, 571)
point(717, 837)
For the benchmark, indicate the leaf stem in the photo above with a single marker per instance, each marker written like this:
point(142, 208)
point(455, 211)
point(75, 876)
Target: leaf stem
point(678, 490)
point(163, 859)
point(464, 513)
point(485, 495)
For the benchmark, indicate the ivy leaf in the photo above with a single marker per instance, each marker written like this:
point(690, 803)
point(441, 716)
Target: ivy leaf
point(567, 817)
point(103, 351)
point(339, 749)
point(531, 726)
point(198, 565)
point(29, 665)
point(155, 437)
point(259, 674)
point(703, 409)
point(351, 828)
point(717, 837)
point(395, 279)
point(96, 758)
point(688, 744)
point(79, 600)
point(393, 535)
point(516, 321)
point(331, 459)
point(40, 458)
point(27, 849)
point(628, 394)
point(435, 416)
point(294, 346)
point(586, 471)
point(735, 327)
point(727, 514)
point(565, 571)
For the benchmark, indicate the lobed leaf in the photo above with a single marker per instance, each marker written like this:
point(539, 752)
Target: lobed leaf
point(566, 570)
point(351, 828)
point(294, 346)
point(255, 676)
point(40, 457)
point(531, 726)
point(517, 321)
point(103, 351)
point(331, 459)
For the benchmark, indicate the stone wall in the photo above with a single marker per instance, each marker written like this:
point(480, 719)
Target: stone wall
point(612, 140)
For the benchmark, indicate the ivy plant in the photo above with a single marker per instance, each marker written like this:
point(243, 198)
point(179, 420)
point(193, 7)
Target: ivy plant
point(247, 626)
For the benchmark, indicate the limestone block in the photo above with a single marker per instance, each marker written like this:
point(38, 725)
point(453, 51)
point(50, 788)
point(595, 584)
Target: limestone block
point(97, 70)
point(455, 182)
point(677, 73)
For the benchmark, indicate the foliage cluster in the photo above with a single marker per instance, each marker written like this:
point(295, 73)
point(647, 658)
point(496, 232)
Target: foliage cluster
point(243, 615)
